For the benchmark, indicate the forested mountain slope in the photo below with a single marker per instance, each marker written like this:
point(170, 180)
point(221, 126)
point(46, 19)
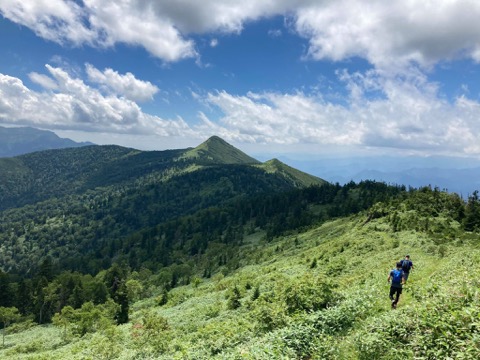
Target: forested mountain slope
point(39, 176)
point(78, 206)
point(55, 173)
point(205, 253)
point(317, 292)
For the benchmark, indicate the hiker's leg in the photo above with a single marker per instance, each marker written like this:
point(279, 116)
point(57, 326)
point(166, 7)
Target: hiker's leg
point(392, 291)
point(405, 274)
point(399, 291)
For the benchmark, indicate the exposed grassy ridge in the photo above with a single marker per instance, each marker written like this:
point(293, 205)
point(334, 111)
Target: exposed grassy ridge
point(298, 177)
point(217, 151)
point(321, 294)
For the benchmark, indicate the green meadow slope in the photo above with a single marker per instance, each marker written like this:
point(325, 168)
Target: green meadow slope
point(297, 177)
point(318, 294)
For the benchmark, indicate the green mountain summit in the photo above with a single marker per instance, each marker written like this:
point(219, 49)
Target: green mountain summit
point(217, 151)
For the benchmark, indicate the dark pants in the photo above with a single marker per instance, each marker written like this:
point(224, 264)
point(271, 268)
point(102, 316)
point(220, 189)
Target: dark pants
point(395, 291)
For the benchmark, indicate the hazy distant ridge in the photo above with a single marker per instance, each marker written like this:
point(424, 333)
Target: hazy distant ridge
point(24, 140)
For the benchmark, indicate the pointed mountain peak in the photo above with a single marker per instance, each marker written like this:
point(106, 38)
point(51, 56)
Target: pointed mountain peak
point(215, 150)
point(215, 140)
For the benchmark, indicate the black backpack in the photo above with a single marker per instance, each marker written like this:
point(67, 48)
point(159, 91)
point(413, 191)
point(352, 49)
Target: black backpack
point(406, 265)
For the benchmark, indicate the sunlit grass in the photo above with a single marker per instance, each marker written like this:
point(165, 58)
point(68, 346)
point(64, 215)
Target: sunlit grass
point(355, 255)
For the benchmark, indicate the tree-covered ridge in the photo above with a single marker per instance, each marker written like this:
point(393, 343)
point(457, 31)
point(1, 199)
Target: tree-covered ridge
point(55, 173)
point(74, 226)
point(39, 176)
point(84, 202)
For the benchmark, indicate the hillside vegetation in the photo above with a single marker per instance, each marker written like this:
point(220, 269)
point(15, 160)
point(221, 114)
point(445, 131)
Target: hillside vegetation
point(318, 293)
point(84, 207)
point(217, 150)
point(153, 256)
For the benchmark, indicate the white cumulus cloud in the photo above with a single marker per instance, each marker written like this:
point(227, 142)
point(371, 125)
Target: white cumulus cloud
point(56, 20)
point(408, 115)
point(391, 33)
point(386, 33)
point(43, 80)
point(72, 104)
point(124, 85)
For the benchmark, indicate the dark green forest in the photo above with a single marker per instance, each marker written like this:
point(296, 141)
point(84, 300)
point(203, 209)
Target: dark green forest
point(69, 256)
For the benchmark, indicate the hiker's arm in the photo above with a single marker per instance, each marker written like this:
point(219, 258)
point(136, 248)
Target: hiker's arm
point(389, 275)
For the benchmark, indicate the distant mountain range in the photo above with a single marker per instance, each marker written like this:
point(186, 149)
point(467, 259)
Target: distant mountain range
point(22, 140)
point(460, 175)
point(455, 174)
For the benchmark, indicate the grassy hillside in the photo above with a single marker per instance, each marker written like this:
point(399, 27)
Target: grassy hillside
point(298, 177)
point(317, 294)
point(217, 151)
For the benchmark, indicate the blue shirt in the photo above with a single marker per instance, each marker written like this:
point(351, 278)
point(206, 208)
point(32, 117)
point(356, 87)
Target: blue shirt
point(392, 277)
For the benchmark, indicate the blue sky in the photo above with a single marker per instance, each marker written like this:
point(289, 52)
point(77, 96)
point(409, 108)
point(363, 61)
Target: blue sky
point(296, 78)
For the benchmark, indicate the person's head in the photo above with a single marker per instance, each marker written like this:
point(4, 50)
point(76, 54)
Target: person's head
point(407, 257)
point(399, 265)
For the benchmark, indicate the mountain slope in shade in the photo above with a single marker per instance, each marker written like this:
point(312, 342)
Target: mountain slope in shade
point(217, 151)
point(23, 140)
point(296, 177)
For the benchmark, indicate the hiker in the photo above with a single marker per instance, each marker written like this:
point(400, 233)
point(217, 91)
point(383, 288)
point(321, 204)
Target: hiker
point(407, 265)
point(397, 277)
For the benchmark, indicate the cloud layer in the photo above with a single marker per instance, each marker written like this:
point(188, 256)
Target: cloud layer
point(409, 114)
point(125, 85)
point(386, 33)
point(69, 103)
point(392, 33)
point(408, 117)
